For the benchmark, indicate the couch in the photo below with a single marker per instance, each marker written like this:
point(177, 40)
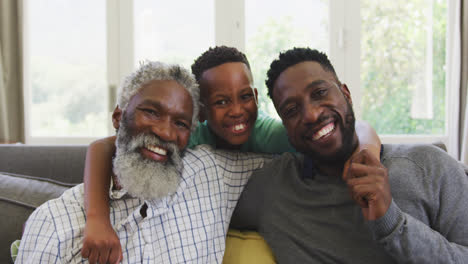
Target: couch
point(31, 175)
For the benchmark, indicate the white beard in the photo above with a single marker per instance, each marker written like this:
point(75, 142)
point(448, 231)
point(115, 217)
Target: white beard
point(142, 177)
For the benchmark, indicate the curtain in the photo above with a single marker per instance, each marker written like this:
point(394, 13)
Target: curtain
point(11, 96)
point(464, 83)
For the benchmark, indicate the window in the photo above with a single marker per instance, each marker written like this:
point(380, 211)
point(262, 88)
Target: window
point(271, 27)
point(171, 31)
point(65, 66)
point(391, 54)
point(402, 66)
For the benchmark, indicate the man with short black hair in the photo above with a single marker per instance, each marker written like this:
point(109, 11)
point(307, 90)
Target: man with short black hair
point(409, 208)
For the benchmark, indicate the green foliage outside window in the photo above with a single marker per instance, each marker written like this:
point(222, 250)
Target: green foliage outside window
point(393, 39)
point(274, 36)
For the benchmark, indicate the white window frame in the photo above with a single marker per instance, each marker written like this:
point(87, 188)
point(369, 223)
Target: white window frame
point(345, 23)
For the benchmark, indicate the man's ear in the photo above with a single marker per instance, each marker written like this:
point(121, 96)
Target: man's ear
point(116, 117)
point(346, 93)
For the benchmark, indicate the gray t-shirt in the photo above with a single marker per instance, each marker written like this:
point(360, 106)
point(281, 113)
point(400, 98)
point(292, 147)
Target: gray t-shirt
point(314, 219)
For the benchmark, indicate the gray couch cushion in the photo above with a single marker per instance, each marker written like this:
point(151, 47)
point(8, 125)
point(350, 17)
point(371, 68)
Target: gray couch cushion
point(19, 196)
point(62, 163)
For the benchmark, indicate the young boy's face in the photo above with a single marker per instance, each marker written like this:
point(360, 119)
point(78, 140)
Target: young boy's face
point(230, 103)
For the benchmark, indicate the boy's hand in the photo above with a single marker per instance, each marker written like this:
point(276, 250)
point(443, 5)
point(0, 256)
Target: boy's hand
point(367, 181)
point(101, 244)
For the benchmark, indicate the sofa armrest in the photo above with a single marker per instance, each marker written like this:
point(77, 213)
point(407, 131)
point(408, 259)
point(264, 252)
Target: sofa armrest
point(19, 196)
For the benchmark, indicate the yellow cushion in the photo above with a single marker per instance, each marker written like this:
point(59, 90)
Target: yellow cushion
point(246, 247)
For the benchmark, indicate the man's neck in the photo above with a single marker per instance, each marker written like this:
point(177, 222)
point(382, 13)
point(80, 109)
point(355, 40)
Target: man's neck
point(335, 168)
point(335, 171)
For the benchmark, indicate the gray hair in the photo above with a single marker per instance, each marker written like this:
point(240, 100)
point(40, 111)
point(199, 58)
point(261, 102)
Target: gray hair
point(153, 70)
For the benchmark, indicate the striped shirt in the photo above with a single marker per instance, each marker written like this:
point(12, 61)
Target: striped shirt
point(189, 226)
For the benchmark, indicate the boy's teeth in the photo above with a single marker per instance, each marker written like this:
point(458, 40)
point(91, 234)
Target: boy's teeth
point(239, 127)
point(157, 150)
point(324, 131)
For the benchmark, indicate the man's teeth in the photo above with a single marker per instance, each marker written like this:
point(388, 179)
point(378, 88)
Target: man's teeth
point(239, 127)
point(324, 131)
point(157, 150)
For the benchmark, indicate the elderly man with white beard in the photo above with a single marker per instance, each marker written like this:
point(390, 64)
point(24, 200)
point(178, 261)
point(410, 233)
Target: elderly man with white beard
point(174, 205)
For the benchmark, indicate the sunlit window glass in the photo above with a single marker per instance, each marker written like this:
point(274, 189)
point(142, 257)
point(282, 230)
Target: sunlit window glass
point(66, 62)
point(273, 26)
point(403, 65)
point(172, 31)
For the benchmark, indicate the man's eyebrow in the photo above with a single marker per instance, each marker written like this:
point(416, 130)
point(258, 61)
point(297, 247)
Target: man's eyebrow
point(158, 105)
point(316, 83)
point(149, 102)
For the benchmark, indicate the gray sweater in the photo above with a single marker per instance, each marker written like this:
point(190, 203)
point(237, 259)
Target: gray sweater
point(314, 220)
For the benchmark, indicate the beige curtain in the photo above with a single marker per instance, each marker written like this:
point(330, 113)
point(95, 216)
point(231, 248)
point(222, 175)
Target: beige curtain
point(11, 96)
point(464, 84)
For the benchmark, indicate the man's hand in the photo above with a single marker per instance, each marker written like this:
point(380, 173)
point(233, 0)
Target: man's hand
point(101, 244)
point(367, 180)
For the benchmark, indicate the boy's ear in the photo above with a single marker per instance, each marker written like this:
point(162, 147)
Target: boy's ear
point(116, 117)
point(346, 93)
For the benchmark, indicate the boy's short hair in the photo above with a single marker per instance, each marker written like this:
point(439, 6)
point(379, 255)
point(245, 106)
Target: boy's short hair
point(217, 56)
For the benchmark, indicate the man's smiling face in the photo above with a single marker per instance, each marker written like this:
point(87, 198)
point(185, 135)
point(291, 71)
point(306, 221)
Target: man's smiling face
point(153, 131)
point(164, 109)
point(316, 112)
